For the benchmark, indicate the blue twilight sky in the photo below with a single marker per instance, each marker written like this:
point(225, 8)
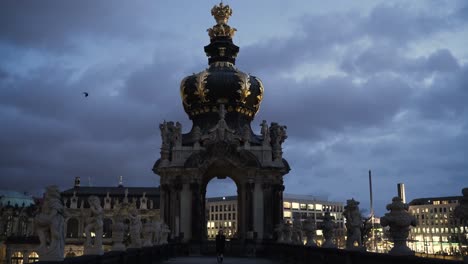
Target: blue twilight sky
point(361, 85)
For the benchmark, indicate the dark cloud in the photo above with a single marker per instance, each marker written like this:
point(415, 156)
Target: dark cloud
point(402, 116)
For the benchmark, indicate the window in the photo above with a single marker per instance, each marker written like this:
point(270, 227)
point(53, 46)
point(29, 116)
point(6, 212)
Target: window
point(33, 257)
point(225, 207)
point(216, 216)
point(287, 205)
point(436, 202)
point(229, 216)
point(17, 258)
point(233, 216)
point(318, 207)
point(303, 206)
point(295, 205)
point(212, 209)
point(72, 228)
point(310, 207)
point(287, 214)
point(220, 207)
point(229, 207)
point(216, 208)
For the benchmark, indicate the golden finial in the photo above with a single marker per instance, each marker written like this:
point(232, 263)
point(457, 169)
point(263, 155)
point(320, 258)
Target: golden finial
point(221, 13)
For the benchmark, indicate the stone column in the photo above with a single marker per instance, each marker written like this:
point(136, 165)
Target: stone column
point(258, 204)
point(175, 210)
point(186, 212)
point(277, 204)
point(268, 228)
point(249, 204)
point(164, 208)
point(197, 216)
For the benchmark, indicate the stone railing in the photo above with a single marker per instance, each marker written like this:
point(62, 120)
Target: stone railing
point(145, 255)
point(287, 253)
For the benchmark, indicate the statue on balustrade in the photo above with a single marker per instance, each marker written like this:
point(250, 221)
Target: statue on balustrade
point(49, 225)
point(353, 225)
point(328, 230)
point(310, 231)
point(94, 224)
point(135, 228)
point(399, 220)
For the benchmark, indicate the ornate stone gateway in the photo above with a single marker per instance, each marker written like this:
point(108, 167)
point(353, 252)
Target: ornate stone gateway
point(221, 101)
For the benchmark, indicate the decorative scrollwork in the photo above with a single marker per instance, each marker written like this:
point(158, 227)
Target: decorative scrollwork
point(183, 95)
point(244, 82)
point(201, 90)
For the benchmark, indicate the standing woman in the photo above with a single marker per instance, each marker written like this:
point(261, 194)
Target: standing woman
point(220, 240)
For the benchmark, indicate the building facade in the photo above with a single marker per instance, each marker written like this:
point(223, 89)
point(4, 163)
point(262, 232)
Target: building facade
point(16, 222)
point(221, 214)
point(437, 232)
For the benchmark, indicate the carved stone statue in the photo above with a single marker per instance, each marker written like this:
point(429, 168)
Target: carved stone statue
point(328, 230)
point(135, 228)
point(196, 134)
point(246, 135)
point(118, 232)
point(148, 232)
point(310, 231)
point(165, 135)
point(157, 232)
point(177, 134)
point(297, 232)
point(280, 232)
point(287, 230)
point(399, 220)
point(265, 132)
point(353, 225)
point(49, 224)
point(94, 223)
point(164, 233)
point(278, 136)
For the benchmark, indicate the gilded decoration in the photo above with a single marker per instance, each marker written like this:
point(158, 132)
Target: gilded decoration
point(221, 14)
point(260, 95)
point(183, 95)
point(244, 82)
point(201, 90)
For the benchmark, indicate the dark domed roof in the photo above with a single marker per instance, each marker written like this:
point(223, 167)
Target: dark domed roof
point(222, 83)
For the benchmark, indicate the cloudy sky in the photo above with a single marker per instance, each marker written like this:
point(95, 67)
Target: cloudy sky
point(380, 85)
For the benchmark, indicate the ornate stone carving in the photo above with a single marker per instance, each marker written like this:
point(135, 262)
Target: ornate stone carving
point(135, 228)
point(260, 95)
point(399, 220)
point(94, 223)
point(310, 231)
point(164, 233)
point(244, 82)
point(328, 230)
point(118, 232)
point(297, 232)
point(49, 225)
point(221, 132)
point(201, 91)
point(279, 229)
point(148, 233)
point(278, 136)
point(246, 135)
point(287, 233)
point(353, 225)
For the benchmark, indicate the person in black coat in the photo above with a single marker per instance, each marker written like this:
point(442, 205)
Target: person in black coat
point(220, 241)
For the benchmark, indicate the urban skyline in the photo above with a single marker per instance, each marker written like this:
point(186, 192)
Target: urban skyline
point(369, 85)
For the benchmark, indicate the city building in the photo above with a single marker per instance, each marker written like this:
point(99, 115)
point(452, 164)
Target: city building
point(16, 222)
point(301, 207)
point(221, 214)
point(437, 232)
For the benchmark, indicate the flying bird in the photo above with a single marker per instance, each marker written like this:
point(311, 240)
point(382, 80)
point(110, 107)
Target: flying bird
point(85, 94)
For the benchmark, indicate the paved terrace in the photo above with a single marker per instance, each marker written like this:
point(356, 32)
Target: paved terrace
point(212, 260)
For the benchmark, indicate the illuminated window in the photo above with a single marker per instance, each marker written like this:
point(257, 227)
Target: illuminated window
point(303, 206)
point(17, 258)
point(287, 205)
point(310, 207)
point(318, 207)
point(287, 214)
point(436, 202)
point(33, 257)
point(295, 205)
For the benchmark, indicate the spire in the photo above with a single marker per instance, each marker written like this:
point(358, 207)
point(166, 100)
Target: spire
point(221, 48)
